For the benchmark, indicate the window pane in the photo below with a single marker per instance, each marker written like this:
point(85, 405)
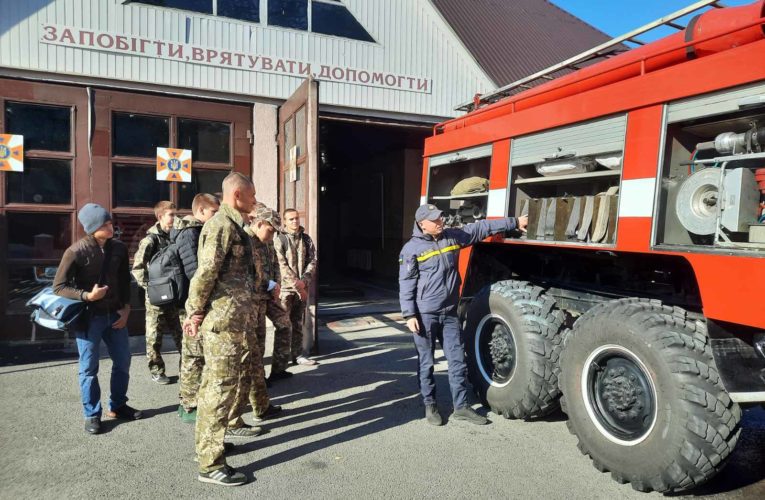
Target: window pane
point(43, 127)
point(24, 281)
point(288, 13)
point(300, 189)
point(137, 186)
point(38, 235)
point(130, 229)
point(202, 181)
point(139, 135)
point(337, 20)
point(300, 131)
point(247, 10)
point(289, 139)
point(204, 6)
point(208, 141)
point(289, 191)
point(42, 181)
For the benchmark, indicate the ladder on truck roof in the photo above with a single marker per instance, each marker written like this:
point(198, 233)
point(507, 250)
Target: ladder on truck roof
point(607, 49)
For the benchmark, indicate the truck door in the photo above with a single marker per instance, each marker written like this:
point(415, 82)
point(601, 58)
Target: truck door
point(298, 175)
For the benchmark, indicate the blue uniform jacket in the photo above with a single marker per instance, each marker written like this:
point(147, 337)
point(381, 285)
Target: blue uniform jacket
point(428, 279)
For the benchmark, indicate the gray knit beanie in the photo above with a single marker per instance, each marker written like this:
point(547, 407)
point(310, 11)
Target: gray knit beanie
point(92, 216)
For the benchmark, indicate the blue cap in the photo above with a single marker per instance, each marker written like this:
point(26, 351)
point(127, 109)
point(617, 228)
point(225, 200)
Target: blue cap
point(427, 212)
point(93, 216)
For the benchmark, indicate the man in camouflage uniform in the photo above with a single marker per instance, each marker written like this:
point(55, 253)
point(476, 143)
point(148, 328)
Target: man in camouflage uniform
point(297, 262)
point(185, 234)
point(264, 224)
point(159, 319)
point(219, 309)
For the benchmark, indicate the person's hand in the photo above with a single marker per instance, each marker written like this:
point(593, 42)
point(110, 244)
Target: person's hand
point(97, 293)
point(413, 325)
point(303, 295)
point(122, 322)
point(276, 291)
point(523, 222)
point(191, 325)
point(300, 285)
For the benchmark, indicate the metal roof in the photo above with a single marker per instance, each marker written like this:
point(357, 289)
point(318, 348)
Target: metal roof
point(511, 39)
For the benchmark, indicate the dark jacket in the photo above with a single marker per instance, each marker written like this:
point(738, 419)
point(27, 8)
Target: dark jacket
point(185, 234)
point(428, 279)
point(80, 269)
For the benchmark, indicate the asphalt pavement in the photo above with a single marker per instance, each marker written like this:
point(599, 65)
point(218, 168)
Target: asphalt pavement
point(352, 428)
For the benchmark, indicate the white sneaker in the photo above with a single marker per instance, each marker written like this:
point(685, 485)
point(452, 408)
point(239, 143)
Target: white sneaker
point(302, 360)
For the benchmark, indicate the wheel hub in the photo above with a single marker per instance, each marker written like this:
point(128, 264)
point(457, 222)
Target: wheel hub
point(495, 349)
point(502, 350)
point(620, 395)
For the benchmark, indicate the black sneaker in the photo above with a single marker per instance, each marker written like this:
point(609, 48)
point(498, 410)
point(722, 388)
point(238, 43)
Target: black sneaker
point(125, 412)
point(245, 431)
point(93, 425)
point(225, 476)
point(271, 411)
point(467, 414)
point(160, 378)
point(280, 376)
point(432, 415)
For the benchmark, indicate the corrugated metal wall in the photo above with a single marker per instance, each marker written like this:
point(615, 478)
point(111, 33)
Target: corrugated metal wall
point(412, 40)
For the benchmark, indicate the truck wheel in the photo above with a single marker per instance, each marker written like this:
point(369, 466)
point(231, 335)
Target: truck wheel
point(512, 342)
point(644, 397)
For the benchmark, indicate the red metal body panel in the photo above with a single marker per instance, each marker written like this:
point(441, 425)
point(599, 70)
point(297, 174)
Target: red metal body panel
point(730, 285)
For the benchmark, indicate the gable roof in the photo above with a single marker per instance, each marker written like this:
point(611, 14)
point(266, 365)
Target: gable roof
point(511, 39)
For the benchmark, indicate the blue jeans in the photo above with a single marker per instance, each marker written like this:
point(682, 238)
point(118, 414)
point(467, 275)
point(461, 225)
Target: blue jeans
point(88, 344)
point(446, 328)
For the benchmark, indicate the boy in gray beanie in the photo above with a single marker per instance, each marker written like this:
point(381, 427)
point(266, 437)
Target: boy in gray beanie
point(95, 270)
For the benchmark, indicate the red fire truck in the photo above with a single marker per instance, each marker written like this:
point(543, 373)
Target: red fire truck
point(635, 299)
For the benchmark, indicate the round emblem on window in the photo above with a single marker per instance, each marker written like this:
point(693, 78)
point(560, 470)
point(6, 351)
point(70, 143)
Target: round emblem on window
point(173, 165)
point(5, 152)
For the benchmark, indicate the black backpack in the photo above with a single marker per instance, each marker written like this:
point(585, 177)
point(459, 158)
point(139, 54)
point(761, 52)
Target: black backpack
point(167, 282)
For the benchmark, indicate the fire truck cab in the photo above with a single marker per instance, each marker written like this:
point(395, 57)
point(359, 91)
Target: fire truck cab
point(634, 299)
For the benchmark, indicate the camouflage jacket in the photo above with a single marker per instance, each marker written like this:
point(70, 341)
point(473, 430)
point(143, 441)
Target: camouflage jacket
point(266, 255)
point(297, 259)
point(146, 250)
point(222, 288)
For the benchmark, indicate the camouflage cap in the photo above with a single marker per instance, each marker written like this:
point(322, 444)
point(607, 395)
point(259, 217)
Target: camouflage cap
point(262, 212)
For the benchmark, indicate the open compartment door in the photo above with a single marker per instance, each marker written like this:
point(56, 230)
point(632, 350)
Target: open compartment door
point(299, 174)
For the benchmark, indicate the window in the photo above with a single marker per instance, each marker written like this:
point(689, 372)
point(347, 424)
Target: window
point(139, 135)
point(328, 17)
point(38, 235)
point(246, 10)
point(202, 181)
point(131, 228)
point(203, 6)
point(47, 128)
point(331, 19)
point(288, 13)
point(208, 141)
point(47, 182)
point(137, 186)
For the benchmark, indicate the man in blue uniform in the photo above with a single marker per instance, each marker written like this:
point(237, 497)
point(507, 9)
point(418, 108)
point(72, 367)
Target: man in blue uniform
point(429, 286)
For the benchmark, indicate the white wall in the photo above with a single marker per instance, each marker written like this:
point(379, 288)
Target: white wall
point(432, 70)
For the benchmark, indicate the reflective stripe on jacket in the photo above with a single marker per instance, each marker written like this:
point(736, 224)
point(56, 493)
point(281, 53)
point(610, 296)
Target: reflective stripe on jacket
point(428, 279)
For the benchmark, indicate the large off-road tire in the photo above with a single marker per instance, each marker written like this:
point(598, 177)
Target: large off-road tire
point(644, 397)
point(512, 342)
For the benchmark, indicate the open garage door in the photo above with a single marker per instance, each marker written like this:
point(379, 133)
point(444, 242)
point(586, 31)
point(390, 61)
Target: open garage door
point(298, 175)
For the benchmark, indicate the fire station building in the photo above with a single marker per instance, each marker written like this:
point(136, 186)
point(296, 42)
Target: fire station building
point(324, 103)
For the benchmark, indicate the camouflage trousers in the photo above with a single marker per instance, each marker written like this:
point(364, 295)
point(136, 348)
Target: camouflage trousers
point(217, 395)
point(192, 363)
point(296, 310)
point(282, 331)
point(161, 320)
point(252, 377)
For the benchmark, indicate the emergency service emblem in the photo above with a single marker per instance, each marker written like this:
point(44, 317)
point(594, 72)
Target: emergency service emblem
point(11, 153)
point(173, 165)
